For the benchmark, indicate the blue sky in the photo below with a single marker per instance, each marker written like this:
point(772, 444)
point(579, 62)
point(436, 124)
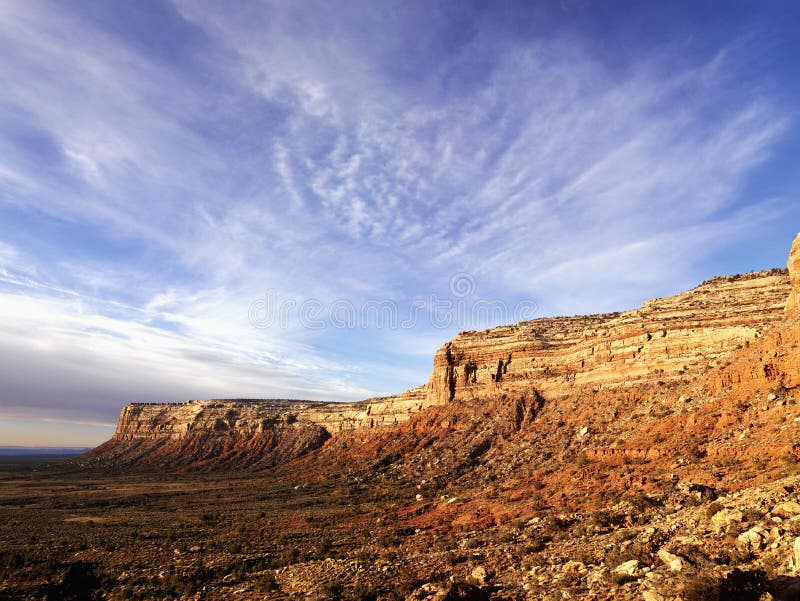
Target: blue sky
point(169, 169)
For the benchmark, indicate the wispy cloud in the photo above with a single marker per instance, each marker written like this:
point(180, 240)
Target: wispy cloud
point(64, 354)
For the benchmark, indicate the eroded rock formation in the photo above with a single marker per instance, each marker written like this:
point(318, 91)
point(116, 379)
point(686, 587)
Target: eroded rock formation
point(794, 274)
point(661, 341)
point(728, 335)
point(254, 416)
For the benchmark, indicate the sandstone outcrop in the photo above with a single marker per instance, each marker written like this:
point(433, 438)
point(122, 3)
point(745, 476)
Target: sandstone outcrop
point(666, 339)
point(252, 416)
point(243, 433)
point(680, 374)
point(794, 274)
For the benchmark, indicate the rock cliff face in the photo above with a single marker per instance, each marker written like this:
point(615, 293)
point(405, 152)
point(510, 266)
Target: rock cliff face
point(794, 269)
point(598, 375)
point(207, 434)
point(666, 339)
point(253, 416)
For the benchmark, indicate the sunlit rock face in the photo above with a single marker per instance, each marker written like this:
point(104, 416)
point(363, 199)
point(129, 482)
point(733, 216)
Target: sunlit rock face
point(794, 278)
point(730, 335)
point(665, 339)
point(177, 420)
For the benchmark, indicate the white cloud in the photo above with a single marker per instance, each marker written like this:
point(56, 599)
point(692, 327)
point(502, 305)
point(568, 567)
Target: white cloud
point(8, 254)
point(63, 354)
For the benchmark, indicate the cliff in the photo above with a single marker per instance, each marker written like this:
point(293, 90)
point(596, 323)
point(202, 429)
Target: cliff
point(793, 302)
point(252, 433)
point(254, 416)
point(666, 339)
point(614, 378)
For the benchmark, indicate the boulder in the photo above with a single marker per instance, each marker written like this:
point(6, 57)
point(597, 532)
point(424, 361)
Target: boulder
point(786, 509)
point(796, 554)
point(479, 576)
point(628, 568)
point(753, 538)
point(573, 567)
point(725, 517)
point(673, 562)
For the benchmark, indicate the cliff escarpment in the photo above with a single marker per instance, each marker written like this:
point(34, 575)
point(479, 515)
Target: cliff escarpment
point(240, 433)
point(711, 370)
point(254, 416)
point(666, 339)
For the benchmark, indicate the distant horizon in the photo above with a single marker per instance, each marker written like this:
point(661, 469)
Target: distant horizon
point(41, 450)
point(7, 447)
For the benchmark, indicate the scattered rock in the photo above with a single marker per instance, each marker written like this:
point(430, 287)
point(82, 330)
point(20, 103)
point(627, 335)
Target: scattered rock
point(479, 576)
point(673, 562)
point(596, 576)
point(628, 568)
point(786, 509)
point(573, 567)
point(725, 517)
point(753, 538)
point(796, 554)
point(452, 591)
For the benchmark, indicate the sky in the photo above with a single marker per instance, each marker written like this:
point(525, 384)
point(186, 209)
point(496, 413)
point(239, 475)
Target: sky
point(306, 199)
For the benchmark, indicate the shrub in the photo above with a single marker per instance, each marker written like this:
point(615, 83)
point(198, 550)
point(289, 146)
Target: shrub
point(741, 585)
point(751, 514)
point(703, 587)
point(642, 502)
point(641, 551)
point(602, 518)
point(266, 583)
point(324, 547)
point(618, 579)
point(333, 591)
point(78, 582)
point(364, 592)
point(536, 545)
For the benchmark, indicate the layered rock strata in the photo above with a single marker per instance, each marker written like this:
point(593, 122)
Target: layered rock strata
point(794, 270)
point(253, 416)
point(610, 375)
point(666, 339)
